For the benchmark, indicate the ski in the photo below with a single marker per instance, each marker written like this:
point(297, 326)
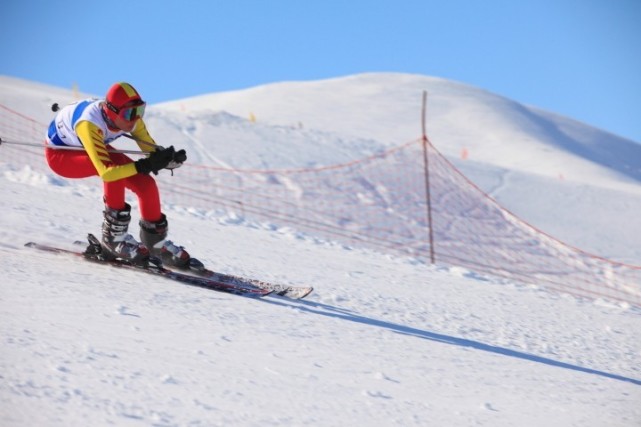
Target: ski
point(197, 268)
point(155, 268)
point(293, 292)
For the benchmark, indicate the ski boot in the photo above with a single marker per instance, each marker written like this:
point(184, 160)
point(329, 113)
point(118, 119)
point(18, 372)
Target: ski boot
point(154, 236)
point(117, 243)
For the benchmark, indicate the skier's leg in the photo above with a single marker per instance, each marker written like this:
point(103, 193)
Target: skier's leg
point(116, 216)
point(115, 239)
point(146, 190)
point(153, 223)
point(70, 164)
point(154, 235)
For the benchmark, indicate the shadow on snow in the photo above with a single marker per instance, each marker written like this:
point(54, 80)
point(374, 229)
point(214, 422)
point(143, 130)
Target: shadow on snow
point(338, 313)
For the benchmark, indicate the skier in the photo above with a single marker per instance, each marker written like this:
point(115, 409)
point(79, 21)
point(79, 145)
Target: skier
point(93, 124)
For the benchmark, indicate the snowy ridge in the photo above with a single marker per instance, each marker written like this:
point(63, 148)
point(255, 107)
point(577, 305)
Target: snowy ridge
point(384, 340)
point(386, 108)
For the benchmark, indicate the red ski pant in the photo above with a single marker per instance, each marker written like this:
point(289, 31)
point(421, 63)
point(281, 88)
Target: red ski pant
point(77, 164)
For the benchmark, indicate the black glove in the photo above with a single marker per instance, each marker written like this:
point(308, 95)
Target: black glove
point(179, 158)
point(157, 160)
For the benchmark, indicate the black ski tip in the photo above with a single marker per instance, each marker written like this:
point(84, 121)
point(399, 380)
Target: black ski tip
point(306, 294)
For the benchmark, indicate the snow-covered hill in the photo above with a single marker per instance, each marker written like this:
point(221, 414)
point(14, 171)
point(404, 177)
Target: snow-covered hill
point(387, 108)
point(383, 340)
point(510, 150)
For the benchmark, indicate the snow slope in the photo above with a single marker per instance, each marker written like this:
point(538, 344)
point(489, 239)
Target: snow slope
point(382, 341)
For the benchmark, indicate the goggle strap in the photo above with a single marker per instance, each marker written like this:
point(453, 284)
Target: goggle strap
point(112, 107)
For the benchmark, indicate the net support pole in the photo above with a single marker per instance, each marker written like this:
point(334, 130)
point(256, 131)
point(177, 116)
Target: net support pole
point(426, 167)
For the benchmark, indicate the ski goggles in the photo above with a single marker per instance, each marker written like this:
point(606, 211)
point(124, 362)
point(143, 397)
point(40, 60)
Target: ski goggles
point(132, 113)
point(129, 113)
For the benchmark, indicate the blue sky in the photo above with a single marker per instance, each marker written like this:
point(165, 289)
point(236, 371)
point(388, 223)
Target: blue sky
point(578, 58)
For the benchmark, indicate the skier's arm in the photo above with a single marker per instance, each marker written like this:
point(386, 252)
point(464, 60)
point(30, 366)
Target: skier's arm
point(91, 138)
point(146, 143)
point(142, 137)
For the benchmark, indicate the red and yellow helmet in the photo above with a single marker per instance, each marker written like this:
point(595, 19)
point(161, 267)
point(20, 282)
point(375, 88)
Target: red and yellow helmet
point(123, 106)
